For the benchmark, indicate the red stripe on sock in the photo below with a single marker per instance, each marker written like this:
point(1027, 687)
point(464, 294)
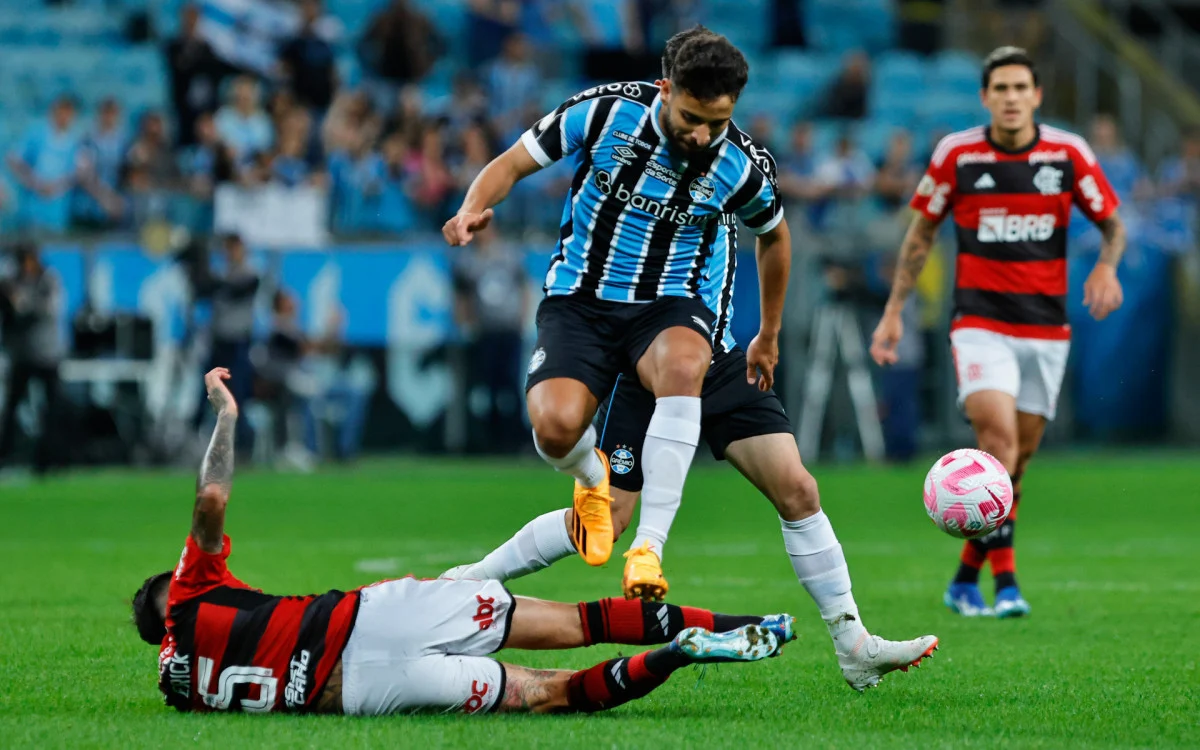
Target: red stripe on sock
point(972, 556)
point(623, 620)
point(694, 617)
point(583, 621)
point(1012, 514)
point(1003, 560)
point(586, 690)
point(637, 669)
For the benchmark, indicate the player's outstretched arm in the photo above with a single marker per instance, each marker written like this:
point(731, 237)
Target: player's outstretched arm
point(216, 470)
point(1102, 291)
point(773, 252)
point(489, 187)
point(914, 251)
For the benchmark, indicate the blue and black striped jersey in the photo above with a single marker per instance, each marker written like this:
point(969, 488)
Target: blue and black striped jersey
point(642, 221)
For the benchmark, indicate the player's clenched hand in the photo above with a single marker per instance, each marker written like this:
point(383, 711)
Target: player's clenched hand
point(1102, 291)
point(461, 229)
point(761, 357)
point(218, 395)
point(885, 339)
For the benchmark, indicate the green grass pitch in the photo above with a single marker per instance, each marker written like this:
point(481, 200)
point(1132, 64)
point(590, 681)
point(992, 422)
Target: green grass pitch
point(1108, 554)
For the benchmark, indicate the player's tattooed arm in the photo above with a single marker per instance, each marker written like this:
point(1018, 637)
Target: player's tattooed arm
point(216, 470)
point(1113, 245)
point(914, 251)
point(534, 690)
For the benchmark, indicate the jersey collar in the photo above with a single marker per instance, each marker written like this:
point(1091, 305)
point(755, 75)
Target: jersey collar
point(1037, 138)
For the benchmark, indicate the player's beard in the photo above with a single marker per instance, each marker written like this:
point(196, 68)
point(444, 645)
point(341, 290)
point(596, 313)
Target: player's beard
point(674, 140)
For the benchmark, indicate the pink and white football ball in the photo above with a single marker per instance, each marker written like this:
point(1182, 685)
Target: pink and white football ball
point(968, 493)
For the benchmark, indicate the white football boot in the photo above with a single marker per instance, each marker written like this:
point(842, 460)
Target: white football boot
point(873, 657)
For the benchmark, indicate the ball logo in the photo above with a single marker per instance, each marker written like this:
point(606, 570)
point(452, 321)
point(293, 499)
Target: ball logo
point(702, 189)
point(621, 460)
point(536, 360)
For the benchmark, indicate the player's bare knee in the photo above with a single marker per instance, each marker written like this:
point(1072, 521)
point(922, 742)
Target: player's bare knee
point(682, 375)
point(1001, 444)
point(557, 432)
point(800, 497)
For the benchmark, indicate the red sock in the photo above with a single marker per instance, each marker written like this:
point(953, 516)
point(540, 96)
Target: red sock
point(641, 623)
point(1003, 561)
point(974, 554)
point(612, 683)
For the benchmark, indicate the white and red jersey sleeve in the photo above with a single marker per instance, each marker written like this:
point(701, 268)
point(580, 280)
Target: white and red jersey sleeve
point(1092, 192)
point(936, 191)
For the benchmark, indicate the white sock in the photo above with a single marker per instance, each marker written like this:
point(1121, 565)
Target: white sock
point(581, 462)
point(667, 454)
point(539, 544)
point(820, 565)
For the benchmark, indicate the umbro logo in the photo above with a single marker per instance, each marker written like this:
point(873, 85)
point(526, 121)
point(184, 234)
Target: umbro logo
point(623, 154)
point(985, 182)
point(700, 322)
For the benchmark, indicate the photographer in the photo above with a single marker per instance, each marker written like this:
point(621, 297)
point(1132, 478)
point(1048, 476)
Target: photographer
point(31, 304)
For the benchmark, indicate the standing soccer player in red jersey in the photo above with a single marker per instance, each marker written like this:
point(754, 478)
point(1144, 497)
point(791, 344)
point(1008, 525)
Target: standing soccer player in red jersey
point(402, 645)
point(1010, 187)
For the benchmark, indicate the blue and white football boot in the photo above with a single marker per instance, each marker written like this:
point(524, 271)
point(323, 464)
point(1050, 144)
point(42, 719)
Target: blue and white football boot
point(747, 643)
point(1010, 603)
point(967, 600)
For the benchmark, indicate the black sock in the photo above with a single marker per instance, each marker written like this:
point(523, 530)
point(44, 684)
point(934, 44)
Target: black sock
point(974, 554)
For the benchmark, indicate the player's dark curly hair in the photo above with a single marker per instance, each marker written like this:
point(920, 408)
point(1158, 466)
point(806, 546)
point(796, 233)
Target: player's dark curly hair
point(674, 43)
point(150, 626)
point(709, 67)
point(1002, 56)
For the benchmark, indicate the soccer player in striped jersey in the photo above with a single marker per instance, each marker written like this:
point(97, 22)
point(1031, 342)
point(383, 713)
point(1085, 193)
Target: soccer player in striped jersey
point(402, 645)
point(750, 428)
point(1010, 187)
point(655, 170)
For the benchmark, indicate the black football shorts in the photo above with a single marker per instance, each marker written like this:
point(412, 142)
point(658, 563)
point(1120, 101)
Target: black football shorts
point(731, 410)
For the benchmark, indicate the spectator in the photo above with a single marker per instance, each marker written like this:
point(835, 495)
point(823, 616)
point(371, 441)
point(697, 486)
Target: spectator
point(309, 64)
point(797, 169)
point(787, 24)
point(289, 165)
point(847, 174)
point(31, 304)
point(899, 172)
point(351, 123)
point(489, 24)
point(408, 115)
point(491, 304)
point(400, 46)
point(45, 166)
point(1122, 168)
point(397, 211)
point(358, 177)
point(476, 152)
point(149, 160)
point(208, 162)
point(99, 204)
point(1179, 176)
point(233, 293)
point(241, 123)
point(467, 106)
point(513, 85)
point(430, 178)
point(196, 74)
point(847, 98)
point(762, 130)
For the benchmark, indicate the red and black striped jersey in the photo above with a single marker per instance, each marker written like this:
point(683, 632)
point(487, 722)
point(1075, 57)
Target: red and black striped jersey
point(1011, 210)
point(230, 647)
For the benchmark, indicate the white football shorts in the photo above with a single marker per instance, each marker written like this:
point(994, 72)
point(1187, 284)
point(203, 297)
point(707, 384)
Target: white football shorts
point(1029, 370)
point(423, 645)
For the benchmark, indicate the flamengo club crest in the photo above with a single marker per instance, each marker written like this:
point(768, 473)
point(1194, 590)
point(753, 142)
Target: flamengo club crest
point(1048, 180)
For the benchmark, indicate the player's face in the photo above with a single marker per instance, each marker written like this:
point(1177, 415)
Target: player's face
point(1012, 97)
point(690, 124)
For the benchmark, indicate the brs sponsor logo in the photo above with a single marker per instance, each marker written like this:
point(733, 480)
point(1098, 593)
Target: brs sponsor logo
point(1000, 226)
point(655, 208)
point(293, 694)
point(478, 696)
point(484, 612)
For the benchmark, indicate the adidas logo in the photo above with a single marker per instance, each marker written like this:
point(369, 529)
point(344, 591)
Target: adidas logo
point(616, 673)
point(662, 619)
point(985, 182)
